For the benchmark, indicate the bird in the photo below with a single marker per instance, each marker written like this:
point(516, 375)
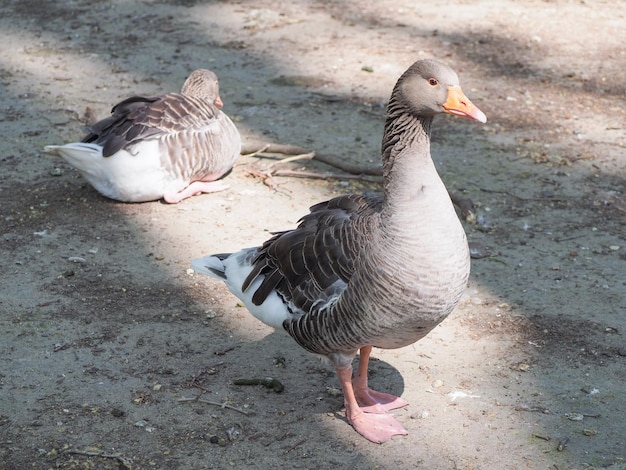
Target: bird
point(169, 147)
point(372, 270)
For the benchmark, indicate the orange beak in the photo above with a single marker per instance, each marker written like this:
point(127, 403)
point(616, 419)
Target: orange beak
point(459, 104)
point(218, 102)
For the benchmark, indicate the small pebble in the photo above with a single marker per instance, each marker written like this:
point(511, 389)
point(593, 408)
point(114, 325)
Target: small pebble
point(574, 416)
point(421, 415)
point(118, 413)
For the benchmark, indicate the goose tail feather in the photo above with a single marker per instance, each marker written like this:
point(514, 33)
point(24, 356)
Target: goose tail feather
point(212, 265)
point(74, 151)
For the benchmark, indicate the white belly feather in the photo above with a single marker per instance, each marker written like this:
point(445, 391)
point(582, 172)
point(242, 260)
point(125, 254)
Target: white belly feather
point(122, 176)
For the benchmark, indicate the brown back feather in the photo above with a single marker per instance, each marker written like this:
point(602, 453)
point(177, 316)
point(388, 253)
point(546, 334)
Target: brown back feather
point(139, 118)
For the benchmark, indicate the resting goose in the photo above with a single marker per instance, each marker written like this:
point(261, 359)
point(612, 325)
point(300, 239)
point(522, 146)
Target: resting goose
point(172, 146)
point(364, 271)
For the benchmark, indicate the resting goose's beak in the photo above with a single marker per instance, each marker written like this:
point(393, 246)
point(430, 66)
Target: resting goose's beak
point(460, 105)
point(218, 102)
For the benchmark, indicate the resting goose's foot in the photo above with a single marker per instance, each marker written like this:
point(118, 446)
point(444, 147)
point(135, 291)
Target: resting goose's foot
point(377, 428)
point(195, 188)
point(371, 401)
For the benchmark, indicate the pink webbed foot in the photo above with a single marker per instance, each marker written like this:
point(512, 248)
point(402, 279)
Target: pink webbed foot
point(371, 401)
point(377, 428)
point(195, 188)
point(370, 420)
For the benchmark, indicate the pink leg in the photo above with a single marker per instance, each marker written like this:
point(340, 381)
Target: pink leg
point(377, 428)
point(369, 400)
point(195, 188)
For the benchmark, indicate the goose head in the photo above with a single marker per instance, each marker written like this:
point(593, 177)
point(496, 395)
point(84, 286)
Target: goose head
point(429, 87)
point(203, 83)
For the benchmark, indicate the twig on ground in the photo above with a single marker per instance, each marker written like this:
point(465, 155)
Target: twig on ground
point(119, 457)
point(265, 176)
point(214, 403)
point(195, 379)
point(562, 444)
point(290, 448)
point(302, 156)
point(533, 409)
point(257, 148)
point(255, 152)
point(312, 175)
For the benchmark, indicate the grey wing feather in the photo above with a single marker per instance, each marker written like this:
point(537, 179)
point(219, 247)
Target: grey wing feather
point(313, 263)
point(139, 118)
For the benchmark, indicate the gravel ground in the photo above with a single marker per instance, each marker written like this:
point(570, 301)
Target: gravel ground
point(123, 359)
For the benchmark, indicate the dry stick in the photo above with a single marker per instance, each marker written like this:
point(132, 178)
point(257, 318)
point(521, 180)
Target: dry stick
point(285, 149)
point(354, 172)
point(117, 457)
point(290, 448)
point(214, 403)
point(308, 174)
point(303, 156)
point(256, 152)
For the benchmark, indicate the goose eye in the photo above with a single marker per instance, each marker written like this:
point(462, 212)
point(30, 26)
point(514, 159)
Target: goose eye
point(433, 81)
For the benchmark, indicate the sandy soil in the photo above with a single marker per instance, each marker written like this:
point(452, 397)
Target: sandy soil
point(105, 332)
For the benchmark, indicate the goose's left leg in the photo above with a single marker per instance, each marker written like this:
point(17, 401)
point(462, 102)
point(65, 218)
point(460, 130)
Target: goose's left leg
point(369, 400)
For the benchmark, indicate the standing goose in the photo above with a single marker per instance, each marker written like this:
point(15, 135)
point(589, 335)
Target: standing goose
point(364, 271)
point(172, 146)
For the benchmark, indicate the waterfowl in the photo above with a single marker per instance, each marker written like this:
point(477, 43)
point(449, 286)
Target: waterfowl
point(171, 146)
point(367, 271)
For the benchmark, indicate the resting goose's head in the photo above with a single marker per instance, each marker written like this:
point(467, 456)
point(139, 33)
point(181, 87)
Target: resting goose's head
point(203, 83)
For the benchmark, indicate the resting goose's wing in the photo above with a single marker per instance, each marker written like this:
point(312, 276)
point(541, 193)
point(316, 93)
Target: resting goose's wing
point(139, 118)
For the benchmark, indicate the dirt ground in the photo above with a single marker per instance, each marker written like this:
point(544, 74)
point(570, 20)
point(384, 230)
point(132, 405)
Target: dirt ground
point(107, 337)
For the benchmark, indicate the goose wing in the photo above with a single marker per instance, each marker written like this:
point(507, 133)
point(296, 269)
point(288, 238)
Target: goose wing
point(139, 118)
point(311, 265)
